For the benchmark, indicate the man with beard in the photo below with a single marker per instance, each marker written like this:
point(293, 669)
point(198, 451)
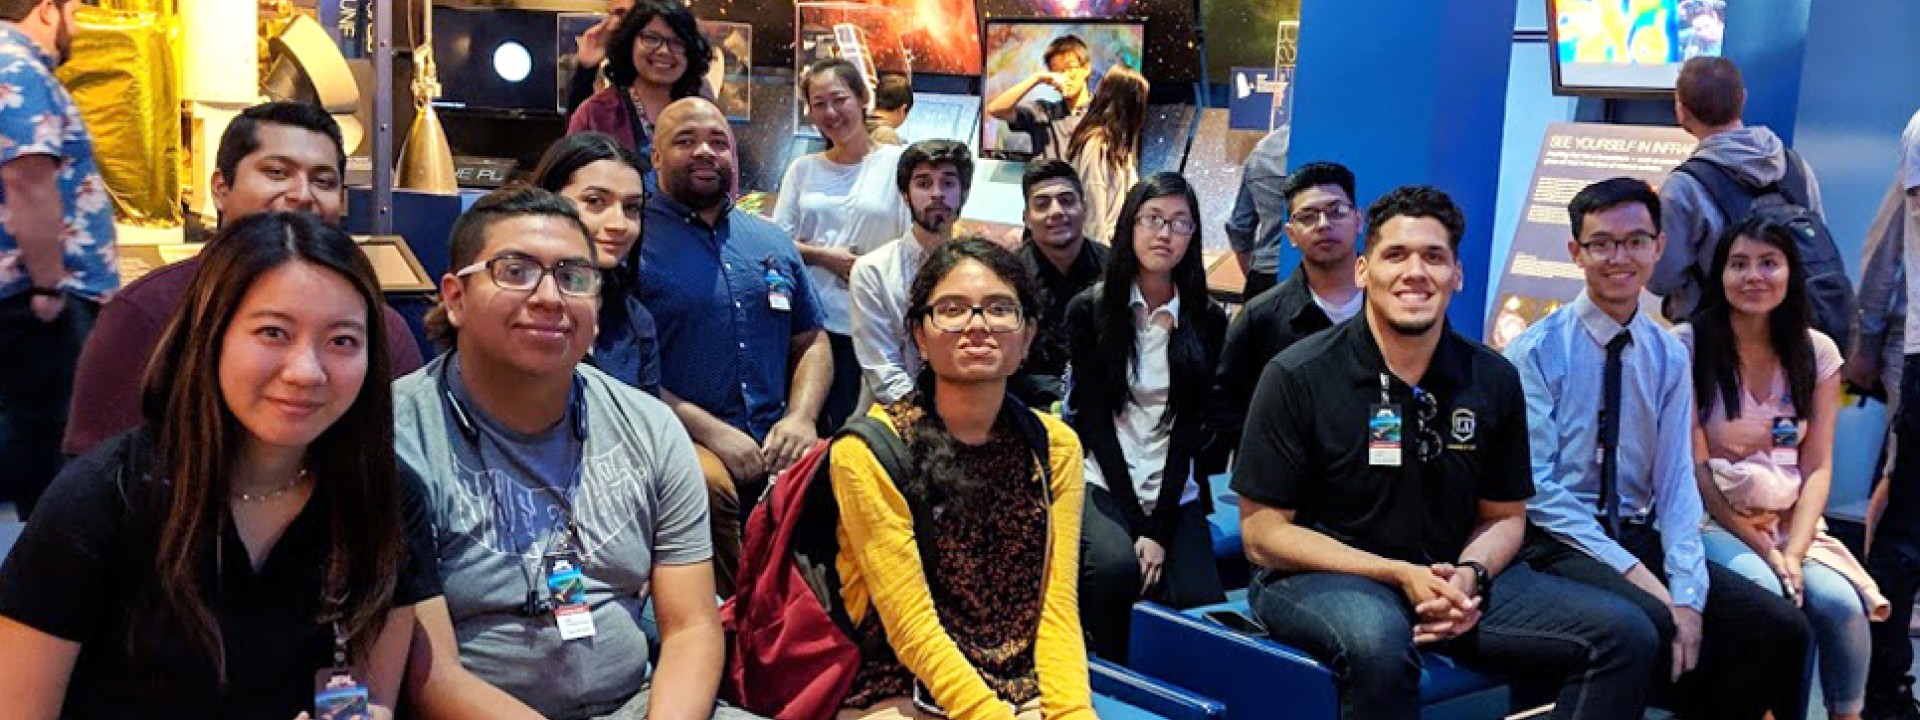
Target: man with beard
point(1383, 482)
point(934, 177)
point(1059, 255)
point(1323, 224)
point(57, 256)
point(743, 361)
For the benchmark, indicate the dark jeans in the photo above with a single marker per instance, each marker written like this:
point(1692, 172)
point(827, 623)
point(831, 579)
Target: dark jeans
point(1754, 644)
point(1110, 573)
point(846, 386)
point(1600, 647)
point(36, 383)
point(1895, 560)
point(1257, 282)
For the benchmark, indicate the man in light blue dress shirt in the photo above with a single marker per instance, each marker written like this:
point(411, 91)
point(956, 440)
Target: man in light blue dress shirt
point(1616, 503)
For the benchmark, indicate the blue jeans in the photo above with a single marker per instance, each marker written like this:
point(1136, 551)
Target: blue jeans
point(1833, 607)
point(1601, 647)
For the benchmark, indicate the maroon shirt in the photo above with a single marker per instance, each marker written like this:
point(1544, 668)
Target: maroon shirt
point(106, 383)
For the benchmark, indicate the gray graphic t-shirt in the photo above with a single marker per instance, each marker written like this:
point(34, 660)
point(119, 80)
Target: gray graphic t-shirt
point(501, 500)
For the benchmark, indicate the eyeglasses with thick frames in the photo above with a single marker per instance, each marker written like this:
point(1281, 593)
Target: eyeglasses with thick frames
point(651, 42)
point(1311, 216)
point(1156, 223)
point(513, 271)
point(1635, 244)
point(953, 316)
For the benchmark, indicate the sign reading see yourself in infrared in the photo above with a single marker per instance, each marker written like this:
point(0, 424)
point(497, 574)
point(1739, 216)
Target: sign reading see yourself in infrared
point(1540, 276)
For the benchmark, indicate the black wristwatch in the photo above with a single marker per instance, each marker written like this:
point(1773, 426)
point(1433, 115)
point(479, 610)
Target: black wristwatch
point(53, 292)
point(1481, 579)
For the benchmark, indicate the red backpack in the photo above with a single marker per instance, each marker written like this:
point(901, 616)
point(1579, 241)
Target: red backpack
point(792, 650)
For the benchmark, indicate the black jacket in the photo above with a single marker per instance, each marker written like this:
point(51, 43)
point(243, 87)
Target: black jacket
point(1196, 449)
point(1269, 323)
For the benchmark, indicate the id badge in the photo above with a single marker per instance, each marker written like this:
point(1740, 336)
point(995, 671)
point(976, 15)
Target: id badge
point(338, 696)
point(1383, 436)
point(779, 289)
point(567, 589)
point(1786, 442)
point(779, 299)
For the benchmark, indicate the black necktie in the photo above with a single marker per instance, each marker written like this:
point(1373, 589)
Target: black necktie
point(1610, 436)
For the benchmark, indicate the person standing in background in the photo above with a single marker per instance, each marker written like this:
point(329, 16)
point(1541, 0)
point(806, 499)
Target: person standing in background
point(655, 56)
point(1105, 148)
point(58, 261)
point(586, 76)
point(1049, 124)
point(1259, 212)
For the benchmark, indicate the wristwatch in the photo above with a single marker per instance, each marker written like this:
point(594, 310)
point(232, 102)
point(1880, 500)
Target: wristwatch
point(1481, 579)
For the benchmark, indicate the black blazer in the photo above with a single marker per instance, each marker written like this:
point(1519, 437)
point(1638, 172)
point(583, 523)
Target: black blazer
point(1196, 447)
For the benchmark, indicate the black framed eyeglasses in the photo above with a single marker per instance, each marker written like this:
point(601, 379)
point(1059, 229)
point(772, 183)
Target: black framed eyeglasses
point(1000, 316)
point(1426, 409)
point(650, 42)
point(1155, 223)
point(1635, 244)
point(513, 271)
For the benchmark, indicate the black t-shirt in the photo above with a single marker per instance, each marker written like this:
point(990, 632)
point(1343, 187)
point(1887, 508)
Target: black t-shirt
point(85, 560)
point(1272, 322)
point(1306, 444)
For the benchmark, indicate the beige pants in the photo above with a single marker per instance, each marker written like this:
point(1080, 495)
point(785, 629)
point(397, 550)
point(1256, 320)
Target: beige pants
point(903, 709)
point(723, 518)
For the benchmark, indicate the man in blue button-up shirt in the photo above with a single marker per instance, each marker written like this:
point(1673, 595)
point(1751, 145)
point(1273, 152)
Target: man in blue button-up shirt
point(742, 360)
point(1625, 515)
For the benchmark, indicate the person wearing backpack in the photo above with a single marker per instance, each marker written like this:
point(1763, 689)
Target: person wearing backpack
point(1738, 171)
point(966, 562)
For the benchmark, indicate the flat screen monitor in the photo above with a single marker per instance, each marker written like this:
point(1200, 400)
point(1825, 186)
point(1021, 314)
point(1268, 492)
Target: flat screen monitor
point(1016, 50)
point(1630, 48)
point(496, 59)
point(937, 116)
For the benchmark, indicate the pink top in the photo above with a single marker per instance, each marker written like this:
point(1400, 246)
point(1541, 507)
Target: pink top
point(1752, 433)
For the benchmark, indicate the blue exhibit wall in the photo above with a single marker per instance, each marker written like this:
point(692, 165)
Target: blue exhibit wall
point(1860, 85)
point(1414, 95)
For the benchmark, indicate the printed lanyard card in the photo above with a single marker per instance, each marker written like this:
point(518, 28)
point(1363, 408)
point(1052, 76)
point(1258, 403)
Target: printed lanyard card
point(338, 696)
point(1383, 436)
point(779, 289)
point(567, 589)
point(1786, 441)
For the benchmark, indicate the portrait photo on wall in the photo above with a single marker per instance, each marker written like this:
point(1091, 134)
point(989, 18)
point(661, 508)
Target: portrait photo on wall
point(1172, 50)
point(730, 75)
point(1017, 51)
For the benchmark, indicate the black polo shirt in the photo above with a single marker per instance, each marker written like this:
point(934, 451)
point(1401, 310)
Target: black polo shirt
point(86, 560)
point(1305, 445)
point(1272, 322)
point(1040, 384)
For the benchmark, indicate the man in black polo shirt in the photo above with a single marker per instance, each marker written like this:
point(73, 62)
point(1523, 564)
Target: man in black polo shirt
point(1323, 223)
point(1383, 479)
point(1059, 255)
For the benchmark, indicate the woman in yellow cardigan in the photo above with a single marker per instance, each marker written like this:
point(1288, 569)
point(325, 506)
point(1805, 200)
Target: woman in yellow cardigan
point(979, 612)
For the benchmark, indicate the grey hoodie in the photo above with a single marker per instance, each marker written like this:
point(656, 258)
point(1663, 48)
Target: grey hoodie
point(1692, 222)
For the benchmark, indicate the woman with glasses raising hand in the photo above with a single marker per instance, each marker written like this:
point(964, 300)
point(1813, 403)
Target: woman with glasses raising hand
point(657, 55)
point(1144, 343)
point(967, 561)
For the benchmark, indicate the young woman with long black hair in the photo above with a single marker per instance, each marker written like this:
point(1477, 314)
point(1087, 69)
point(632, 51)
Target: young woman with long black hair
point(1105, 148)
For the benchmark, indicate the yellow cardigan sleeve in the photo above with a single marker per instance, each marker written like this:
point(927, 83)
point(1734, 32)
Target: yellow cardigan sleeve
point(877, 534)
point(1060, 653)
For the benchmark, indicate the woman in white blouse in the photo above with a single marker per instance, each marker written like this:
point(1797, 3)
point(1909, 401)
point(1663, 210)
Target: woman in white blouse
point(840, 203)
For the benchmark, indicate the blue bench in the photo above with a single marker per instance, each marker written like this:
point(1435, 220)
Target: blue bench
point(1122, 694)
point(1259, 678)
point(9, 534)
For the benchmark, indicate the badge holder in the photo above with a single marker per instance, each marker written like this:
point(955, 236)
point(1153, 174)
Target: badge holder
point(1786, 442)
point(779, 288)
point(567, 593)
point(1384, 430)
point(337, 694)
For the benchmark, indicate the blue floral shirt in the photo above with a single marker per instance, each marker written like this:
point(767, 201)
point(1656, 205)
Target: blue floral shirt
point(38, 117)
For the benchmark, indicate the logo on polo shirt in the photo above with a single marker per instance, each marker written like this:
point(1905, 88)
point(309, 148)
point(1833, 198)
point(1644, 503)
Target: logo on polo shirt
point(1463, 426)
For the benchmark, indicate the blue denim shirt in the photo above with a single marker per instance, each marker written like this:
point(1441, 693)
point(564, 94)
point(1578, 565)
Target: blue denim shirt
point(724, 345)
point(38, 117)
point(1562, 361)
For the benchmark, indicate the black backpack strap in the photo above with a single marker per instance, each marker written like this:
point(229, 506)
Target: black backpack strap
point(1793, 186)
point(1732, 197)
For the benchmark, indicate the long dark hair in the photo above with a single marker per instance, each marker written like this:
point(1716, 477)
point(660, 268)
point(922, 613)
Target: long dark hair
point(1716, 353)
point(1116, 113)
point(937, 472)
point(198, 440)
point(621, 72)
point(1119, 348)
point(565, 157)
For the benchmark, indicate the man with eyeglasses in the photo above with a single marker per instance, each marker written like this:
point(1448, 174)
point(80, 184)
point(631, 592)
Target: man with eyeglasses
point(1324, 224)
point(562, 499)
point(1617, 505)
point(1383, 480)
point(1049, 124)
point(744, 362)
